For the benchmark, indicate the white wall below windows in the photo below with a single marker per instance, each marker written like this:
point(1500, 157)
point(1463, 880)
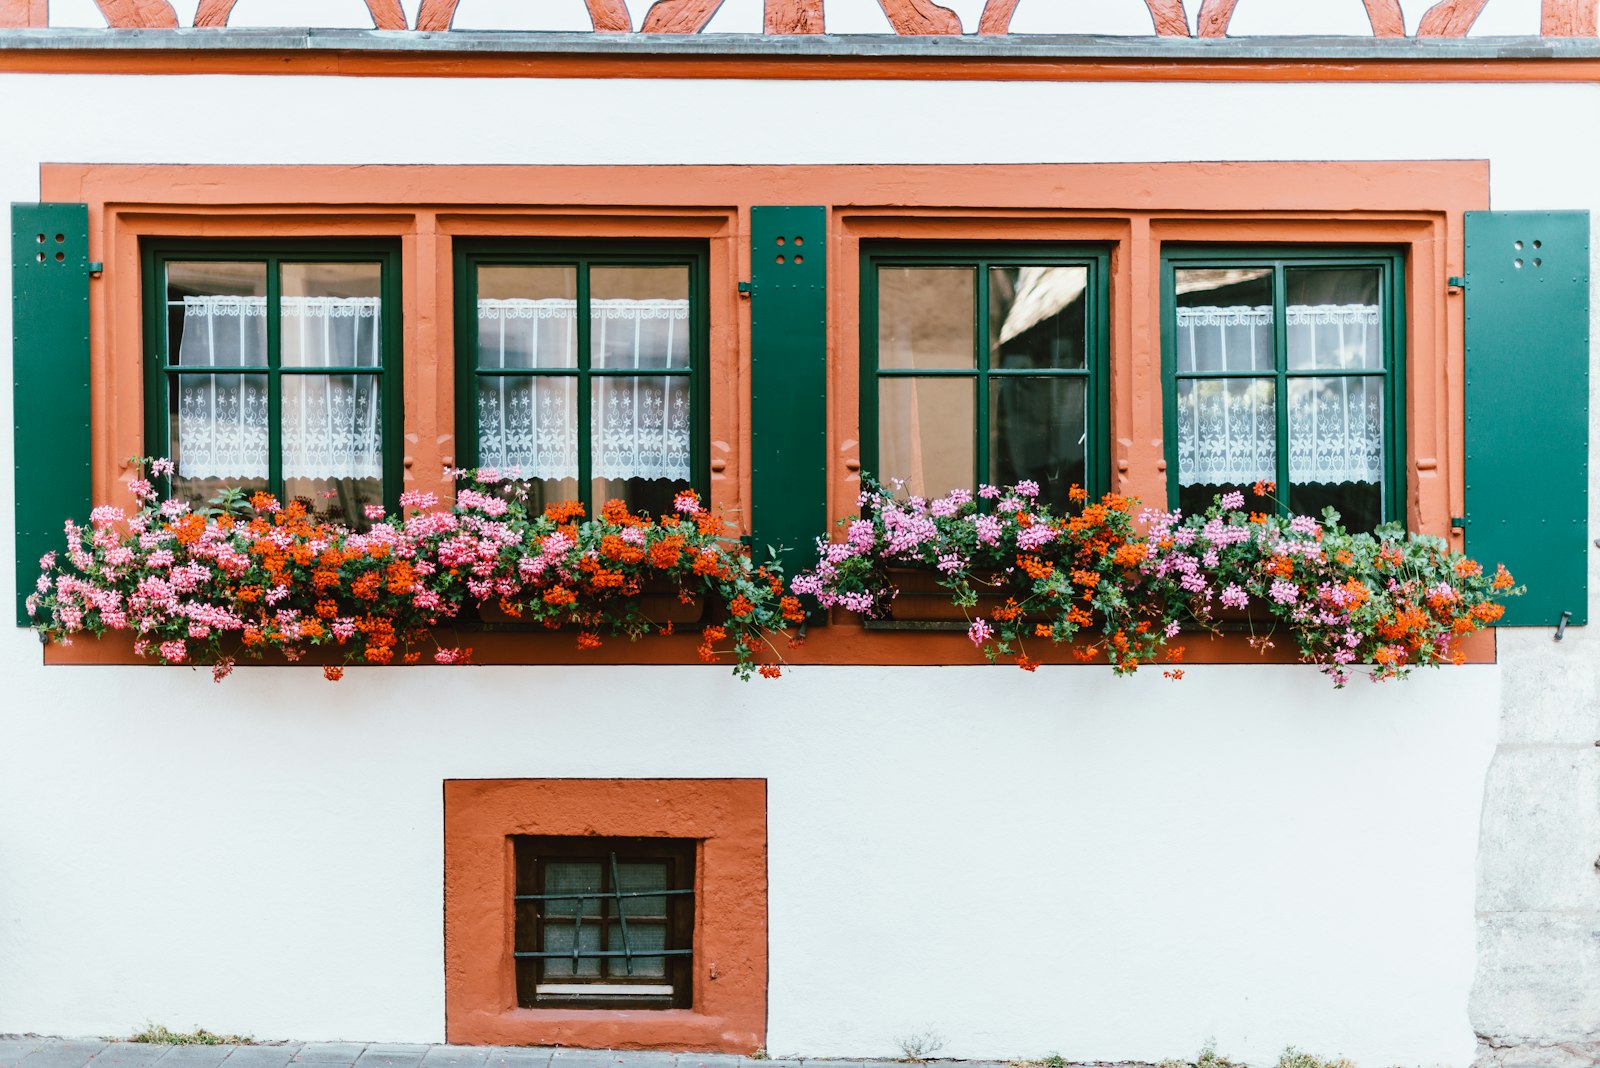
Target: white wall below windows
point(1067, 861)
point(1022, 863)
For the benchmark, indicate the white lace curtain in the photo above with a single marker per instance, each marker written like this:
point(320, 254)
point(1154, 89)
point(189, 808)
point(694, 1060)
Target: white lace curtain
point(1227, 427)
point(332, 423)
point(639, 424)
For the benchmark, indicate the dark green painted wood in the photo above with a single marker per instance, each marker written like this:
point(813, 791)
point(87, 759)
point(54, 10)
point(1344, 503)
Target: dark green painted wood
point(1392, 295)
point(582, 257)
point(788, 382)
point(160, 363)
point(981, 258)
point(1527, 406)
point(50, 384)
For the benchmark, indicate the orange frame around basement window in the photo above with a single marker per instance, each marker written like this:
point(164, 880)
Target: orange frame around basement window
point(1416, 206)
point(727, 818)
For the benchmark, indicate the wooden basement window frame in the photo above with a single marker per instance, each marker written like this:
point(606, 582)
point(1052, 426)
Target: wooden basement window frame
point(160, 364)
point(472, 254)
point(981, 257)
point(627, 976)
point(1134, 210)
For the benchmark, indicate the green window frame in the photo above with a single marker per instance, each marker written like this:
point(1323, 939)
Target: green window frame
point(583, 257)
point(162, 366)
point(1276, 265)
point(981, 258)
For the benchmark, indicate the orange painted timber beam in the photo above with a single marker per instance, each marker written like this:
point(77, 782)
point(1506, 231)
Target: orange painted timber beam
point(138, 14)
point(1386, 18)
point(1450, 18)
point(1169, 17)
point(387, 14)
point(996, 17)
point(914, 17)
point(22, 14)
point(679, 16)
point(793, 16)
point(1214, 17)
point(1570, 18)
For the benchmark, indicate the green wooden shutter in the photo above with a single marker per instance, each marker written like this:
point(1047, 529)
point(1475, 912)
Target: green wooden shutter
point(788, 381)
point(1527, 406)
point(50, 385)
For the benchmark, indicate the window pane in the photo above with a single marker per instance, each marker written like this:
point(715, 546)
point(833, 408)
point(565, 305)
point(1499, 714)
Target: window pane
point(1036, 317)
point(331, 314)
point(641, 936)
point(639, 435)
point(527, 317)
point(925, 433)
point(925, 317)
point(1227, 432)
point(572, 877)
point(1336, 447)
point(333, 443)
point(219, 433)
point(1224, 320)
point(636, 877)
point(639, 317)
point(1335, 317)
point(1039, 429)
point(217, 314)
point(560, 937)
point(528, 426)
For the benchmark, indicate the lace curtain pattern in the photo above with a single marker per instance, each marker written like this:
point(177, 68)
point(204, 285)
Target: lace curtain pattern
point(331, 422)
point(639, 424)
point(1227, 427)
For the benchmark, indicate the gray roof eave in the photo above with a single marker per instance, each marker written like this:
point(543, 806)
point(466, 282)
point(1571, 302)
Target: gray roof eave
point(1029, 47)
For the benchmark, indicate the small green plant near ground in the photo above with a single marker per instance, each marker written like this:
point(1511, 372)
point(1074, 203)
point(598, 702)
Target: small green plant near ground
point(761, 1054)
point(1052, 1060)
point(158, 1034)
point(1293, 1058)
point(1289, 1058)
point(921, 1046)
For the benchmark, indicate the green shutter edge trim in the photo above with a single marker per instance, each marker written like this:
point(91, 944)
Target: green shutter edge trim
point(1389, 261)
point(582, 255)
point(1527, 407)
point(981, 256)
point(155, 255)
point(50, 384)
point(788, 383)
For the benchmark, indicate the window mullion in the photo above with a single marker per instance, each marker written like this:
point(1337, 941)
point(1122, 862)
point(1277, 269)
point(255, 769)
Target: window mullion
point(274, 380)
point(1280, 358)
point(980, 338)
point(585, 421)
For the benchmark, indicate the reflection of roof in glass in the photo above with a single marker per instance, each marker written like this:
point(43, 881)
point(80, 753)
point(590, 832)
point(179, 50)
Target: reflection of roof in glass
point(1041, 293)
point(1205, 279)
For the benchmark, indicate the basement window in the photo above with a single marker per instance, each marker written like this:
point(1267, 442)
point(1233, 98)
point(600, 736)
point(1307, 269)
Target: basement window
point(604, 922)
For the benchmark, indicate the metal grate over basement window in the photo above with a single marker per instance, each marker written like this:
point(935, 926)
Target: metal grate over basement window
point(604, 922)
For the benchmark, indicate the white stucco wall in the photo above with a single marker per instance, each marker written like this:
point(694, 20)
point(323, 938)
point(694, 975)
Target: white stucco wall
point(1137, 866)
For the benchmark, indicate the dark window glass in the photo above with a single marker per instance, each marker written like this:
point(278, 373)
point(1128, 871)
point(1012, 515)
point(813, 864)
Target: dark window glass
point(275, 368)
point(1283, 372)
point(985, 366)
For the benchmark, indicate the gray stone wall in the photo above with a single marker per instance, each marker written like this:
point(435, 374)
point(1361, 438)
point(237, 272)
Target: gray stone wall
point(1536, 998)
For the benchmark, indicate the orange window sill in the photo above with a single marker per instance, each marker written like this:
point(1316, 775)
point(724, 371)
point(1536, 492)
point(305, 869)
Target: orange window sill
point(845, 643)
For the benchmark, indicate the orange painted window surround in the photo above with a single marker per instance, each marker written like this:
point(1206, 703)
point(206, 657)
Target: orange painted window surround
point(1131, 209)
point(728, 820)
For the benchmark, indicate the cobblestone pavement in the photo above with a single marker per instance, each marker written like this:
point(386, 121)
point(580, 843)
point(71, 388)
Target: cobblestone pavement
point(30, 1051)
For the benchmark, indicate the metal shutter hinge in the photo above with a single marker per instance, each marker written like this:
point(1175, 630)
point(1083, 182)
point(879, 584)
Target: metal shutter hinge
point(747, 290)
point(1456, 281)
